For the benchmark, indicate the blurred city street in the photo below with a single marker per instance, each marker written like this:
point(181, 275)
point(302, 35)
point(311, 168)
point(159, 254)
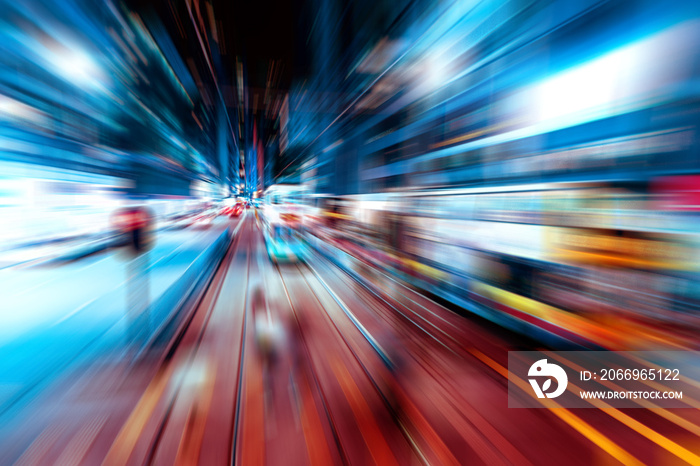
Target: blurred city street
point(326, 395)
point(325, 232)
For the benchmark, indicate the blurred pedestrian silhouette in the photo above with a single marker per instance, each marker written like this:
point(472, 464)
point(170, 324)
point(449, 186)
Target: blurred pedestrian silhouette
point(394, 358)
point(269, 334)
point(135, 227)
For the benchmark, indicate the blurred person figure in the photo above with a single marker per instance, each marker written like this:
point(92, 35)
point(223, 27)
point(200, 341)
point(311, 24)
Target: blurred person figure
point(135, 225)
point(270, 339)
point(393, 354)
point(269, 332)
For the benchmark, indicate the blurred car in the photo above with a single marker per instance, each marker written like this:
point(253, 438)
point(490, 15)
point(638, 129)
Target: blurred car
point(204, 220)
point(236, 210)
point(284, 245)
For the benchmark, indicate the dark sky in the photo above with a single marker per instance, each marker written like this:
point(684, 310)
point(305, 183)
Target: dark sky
point(256, 31)
point(263, 30)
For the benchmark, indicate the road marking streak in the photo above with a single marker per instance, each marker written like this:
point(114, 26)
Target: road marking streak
point(567, 416)
point(441, 451)
point(372, 434)
point(660, 440)
point(75, 450)
point(193, 433)
point(478, 433)
point(318, 451)
point(40, 447)
point(130, 433)
point(665, 413)
point(253, 412)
